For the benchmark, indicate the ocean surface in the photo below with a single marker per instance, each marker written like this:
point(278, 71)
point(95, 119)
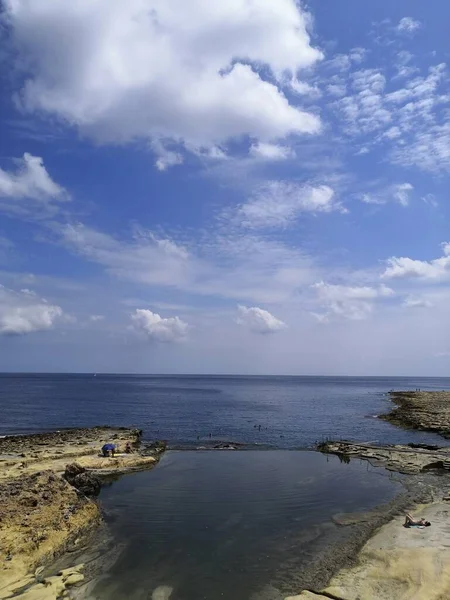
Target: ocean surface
point(223, 525)
point(277, 412)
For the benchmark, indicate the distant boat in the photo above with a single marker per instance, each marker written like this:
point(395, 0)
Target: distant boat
point(95, 374)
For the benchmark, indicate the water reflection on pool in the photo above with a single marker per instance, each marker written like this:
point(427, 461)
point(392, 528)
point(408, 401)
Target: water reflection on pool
point(230, 525)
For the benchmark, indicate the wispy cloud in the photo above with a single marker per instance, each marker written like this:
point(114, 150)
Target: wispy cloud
point(277, 204)
point(226, 264)
point(409, 120)
point(350, 302)
point(399, 192)
point(408, 25)
point(267, 151)
point(28, 189)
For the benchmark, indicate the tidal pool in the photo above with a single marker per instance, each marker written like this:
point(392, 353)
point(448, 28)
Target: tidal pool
point(230, 525)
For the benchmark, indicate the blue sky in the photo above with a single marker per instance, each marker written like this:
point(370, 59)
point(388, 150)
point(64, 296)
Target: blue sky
point(259, 187)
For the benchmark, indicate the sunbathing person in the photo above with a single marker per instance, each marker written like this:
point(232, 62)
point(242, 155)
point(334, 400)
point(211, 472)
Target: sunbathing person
point(410, 522)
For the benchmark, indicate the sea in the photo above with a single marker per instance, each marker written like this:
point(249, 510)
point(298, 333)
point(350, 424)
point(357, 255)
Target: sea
point(223, 524)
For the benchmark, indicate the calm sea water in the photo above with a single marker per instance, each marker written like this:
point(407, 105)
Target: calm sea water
point(230, 525)
point(222, 525)
point(293, 412)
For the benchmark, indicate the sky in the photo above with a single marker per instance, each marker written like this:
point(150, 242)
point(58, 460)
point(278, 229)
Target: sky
point(250, 186)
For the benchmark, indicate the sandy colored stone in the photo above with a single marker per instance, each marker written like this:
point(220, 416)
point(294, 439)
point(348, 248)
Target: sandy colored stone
point(308, 596)
point(73, 579)
point(400, 563)
point(32, 453)
point(41, 514)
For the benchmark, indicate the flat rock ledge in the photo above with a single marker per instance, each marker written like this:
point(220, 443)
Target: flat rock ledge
point(400, 458)
point(426, 411)
point(42, 515)
point(397, 563)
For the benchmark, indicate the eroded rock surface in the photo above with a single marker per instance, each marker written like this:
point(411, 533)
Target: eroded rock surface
point(402, 459)
point(45, 484)
point(427, 411)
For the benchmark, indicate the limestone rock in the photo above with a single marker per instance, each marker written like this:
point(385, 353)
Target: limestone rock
point(81, 479)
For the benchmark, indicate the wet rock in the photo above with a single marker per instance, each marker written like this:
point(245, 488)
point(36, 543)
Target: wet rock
point(153, 448)
point(81, 479)
point(395, 458)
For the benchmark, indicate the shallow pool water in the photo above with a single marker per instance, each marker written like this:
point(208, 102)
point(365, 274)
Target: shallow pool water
point(230, 525)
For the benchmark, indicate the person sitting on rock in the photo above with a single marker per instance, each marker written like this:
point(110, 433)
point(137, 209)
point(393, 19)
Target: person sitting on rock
point(410, 522)
point(108, 450)
point(128, 449)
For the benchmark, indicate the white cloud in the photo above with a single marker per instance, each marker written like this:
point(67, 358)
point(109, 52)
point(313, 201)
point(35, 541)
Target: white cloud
point(267, 151)
point(156, 328)
point(279, 203)
point(24, 312)
point(364, 111)
point(165, 158)
point(340, 62)
point(259, 320)
point(357, 55)
point(430, 199)
point(178, 71)
point(429, 151)
point(29, 181)
point(351, 302)
point(336, 89)
point(230, 265)
point(433, 270)
point(303, 89)
point(415, 302)
point(95, 318)
point(368, 79)
point(408, 25)
point(411, 121)
point(399, 192)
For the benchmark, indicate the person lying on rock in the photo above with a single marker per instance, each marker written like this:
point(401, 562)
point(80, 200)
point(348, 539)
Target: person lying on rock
point(410, 522)
point(108, 450)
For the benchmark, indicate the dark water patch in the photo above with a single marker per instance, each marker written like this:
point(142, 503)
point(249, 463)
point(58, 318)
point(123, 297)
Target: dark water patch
point(231, 525)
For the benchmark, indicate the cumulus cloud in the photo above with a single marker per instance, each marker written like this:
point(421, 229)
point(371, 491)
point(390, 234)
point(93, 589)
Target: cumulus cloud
point(156, 328)
point(279, 203)
point(432, 270)
point(259, 320)
point(351, 302)
point(24, 312)
point(408, 25)
point(165, 71)
point(399, 192)
point(29, 181)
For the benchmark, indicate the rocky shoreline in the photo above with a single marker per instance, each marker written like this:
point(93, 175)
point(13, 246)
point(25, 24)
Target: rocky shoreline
point(46, 510)
point(394, 562)
point(426, 411)
point(47, 482)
